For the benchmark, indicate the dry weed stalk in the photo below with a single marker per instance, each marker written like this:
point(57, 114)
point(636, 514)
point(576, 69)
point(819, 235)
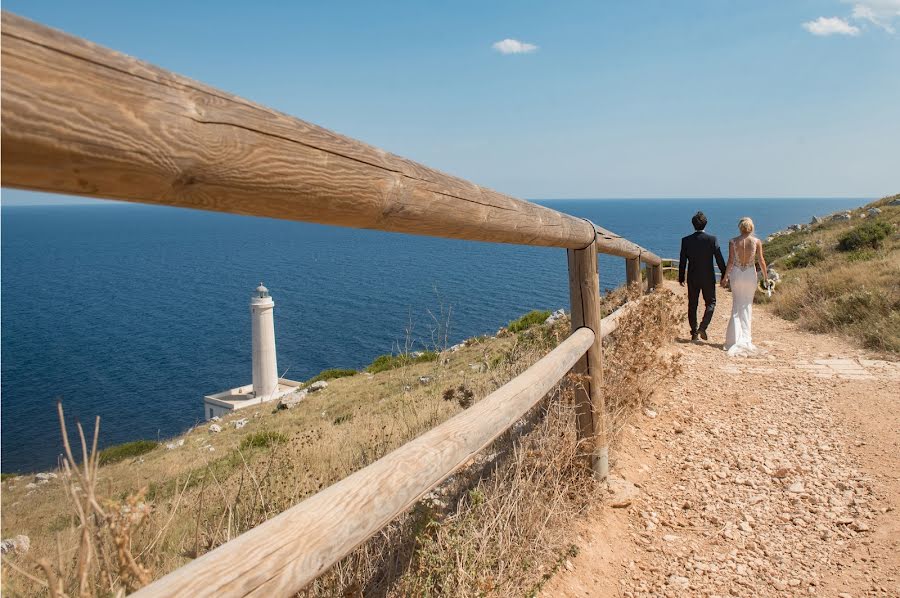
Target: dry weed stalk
point(104, 561)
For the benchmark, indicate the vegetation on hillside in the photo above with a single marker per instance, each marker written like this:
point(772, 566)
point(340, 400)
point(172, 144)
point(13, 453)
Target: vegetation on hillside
point(843, 276)
point(386, 362)
point(532, 318)
point(506, 520)
point(128, 450)
point(331, 374)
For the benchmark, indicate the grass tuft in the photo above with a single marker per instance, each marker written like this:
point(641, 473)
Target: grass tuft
point(120, 452)
point(532, 318)
point(263, 439)
point(387, 362)
point(331, 375)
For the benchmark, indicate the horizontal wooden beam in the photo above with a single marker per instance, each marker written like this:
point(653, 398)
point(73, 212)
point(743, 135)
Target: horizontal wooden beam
point(612, 244)
point(282, 555)
point(81, 119)
point(84, 120)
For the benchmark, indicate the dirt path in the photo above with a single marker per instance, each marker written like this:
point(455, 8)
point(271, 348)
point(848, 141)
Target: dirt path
point(777, 475)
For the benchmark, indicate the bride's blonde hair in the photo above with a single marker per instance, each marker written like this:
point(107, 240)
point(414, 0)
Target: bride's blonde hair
point(746, 225)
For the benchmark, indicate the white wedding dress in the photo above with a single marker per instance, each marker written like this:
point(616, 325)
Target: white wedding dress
point(739, 337)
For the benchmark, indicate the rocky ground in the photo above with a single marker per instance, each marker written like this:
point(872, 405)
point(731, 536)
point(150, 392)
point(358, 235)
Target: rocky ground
point(777, 475)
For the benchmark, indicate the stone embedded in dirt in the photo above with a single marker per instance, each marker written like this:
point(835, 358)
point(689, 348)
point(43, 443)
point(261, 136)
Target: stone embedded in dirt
point(796, 488)
point(679, 582)
point(20, 544)
point(650, 413)
point(43, 478)
point(424, 380)
point(215, 428)
point(174, 445)
point(781, 472)
point(317, 386)
point(859, 526)
point(670, 537)
point(622, 492)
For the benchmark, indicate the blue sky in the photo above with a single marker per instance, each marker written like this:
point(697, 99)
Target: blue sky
point(711, 98)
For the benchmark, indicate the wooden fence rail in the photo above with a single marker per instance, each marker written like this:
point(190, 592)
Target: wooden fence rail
point(81, 119)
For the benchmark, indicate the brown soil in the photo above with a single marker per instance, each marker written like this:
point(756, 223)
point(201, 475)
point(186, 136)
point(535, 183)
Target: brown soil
point(777, 475)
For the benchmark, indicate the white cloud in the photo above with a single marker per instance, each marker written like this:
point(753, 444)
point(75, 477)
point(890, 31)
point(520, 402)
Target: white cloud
point(878, 12)
point(514, 46)
point(830, 26)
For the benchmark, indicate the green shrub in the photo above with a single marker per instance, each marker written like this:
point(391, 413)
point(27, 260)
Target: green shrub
point(331, 375)
point(7, 476)
point(263, 439)
point(861, 255)
point(383, 363)
point(867, 234)
point(530, 319)
point(804, 257)
point(783, 245)
point(120, 452)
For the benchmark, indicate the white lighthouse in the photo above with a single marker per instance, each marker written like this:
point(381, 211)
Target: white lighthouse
point(262, 324)
point(266, 385)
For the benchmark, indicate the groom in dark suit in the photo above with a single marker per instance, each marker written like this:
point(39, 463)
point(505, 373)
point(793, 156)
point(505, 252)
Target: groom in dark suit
point(697, 253)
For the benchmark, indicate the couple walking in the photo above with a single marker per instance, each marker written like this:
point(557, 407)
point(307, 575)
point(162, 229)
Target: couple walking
point(696, 267)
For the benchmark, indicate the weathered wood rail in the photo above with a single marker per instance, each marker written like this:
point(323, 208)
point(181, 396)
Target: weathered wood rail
point(85, 120)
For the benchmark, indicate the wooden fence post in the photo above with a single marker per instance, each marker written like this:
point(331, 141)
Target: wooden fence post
point(654, 276)
point(632, 271)
point(584, 291)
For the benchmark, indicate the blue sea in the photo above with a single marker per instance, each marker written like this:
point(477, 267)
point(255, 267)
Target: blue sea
point(133, 312)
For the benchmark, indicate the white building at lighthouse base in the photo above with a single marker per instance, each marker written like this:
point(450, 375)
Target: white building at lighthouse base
point(266, 385)
point(223, 403)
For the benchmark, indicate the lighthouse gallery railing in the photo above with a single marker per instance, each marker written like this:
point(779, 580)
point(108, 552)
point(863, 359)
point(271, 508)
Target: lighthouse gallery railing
point(81, 119)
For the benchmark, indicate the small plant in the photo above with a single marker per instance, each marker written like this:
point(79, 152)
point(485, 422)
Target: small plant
point(861, 255)
point(342, 419)
point(120, 452)
point(462, 394)
point(530, 319)
point(386, 362)
point(263, 439)
point(331, 375)
point(804, 257)
point(868, 234)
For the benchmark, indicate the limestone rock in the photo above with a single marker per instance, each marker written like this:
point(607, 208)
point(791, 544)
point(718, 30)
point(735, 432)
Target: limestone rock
point(215, 428)
point(424, 380)
point(622, 492)
point(20, 544)
point(238, 424)
point(317, 386)
point(292, 400)
point(174, 445)
point(556, 316)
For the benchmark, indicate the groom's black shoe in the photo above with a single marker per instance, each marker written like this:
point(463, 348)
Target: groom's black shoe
point(693, 337)
point(703, 334)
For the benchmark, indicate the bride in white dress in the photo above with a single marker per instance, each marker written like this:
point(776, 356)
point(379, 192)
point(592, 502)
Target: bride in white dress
point(744, 252)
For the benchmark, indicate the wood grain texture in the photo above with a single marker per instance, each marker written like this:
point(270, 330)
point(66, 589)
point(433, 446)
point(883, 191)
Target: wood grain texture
point(584, 295)
point(632, 271)
point(612, 244)
point(285, 553)
point(84, 120)
point(655, 276)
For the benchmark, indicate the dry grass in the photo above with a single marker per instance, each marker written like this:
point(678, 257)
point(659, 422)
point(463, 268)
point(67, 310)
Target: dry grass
point(854, 293)
point(498, 528)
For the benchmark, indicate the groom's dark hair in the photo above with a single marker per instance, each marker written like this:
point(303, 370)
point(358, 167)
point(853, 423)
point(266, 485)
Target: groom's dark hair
point(699, 221)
